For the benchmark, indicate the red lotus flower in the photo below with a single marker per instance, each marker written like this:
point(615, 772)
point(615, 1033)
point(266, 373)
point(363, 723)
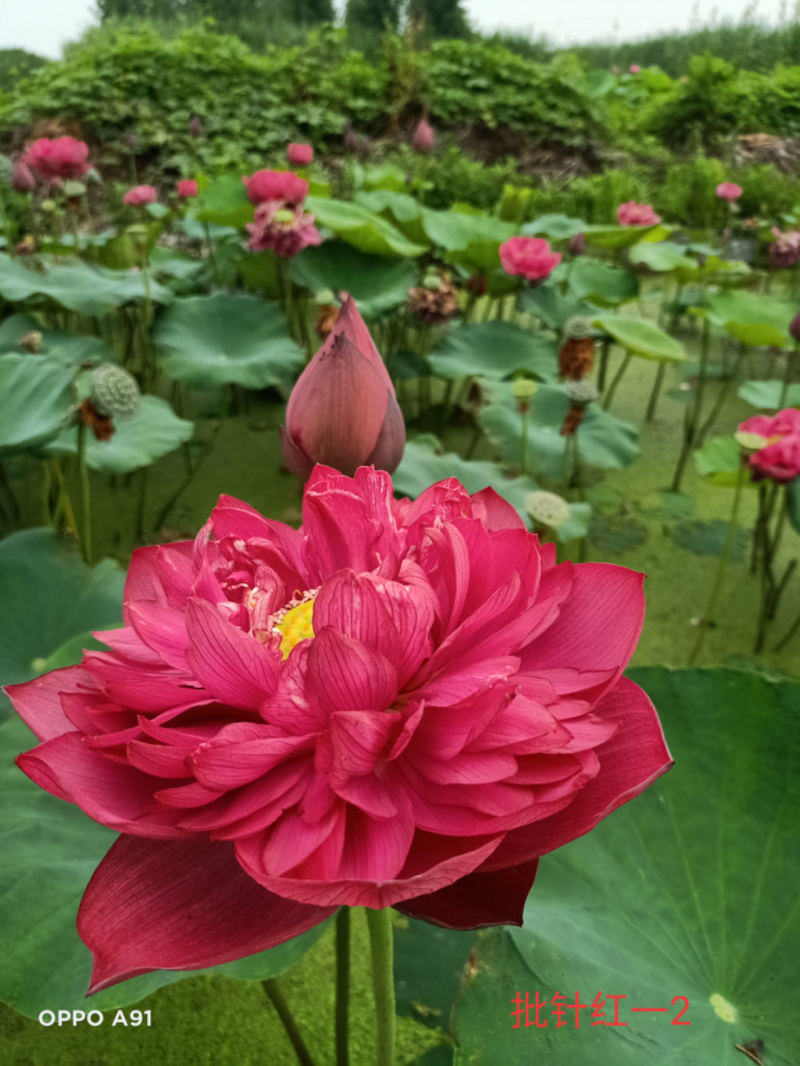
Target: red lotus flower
point(779, 458)
point(140, 196)
point(187, 188)
point(22, 180)
point(729, 191)
point(402, 703)
point(634, 68)
point(343, 410)
point(424, 138)
point(276, 185)
point(784, 251)
point(633, 214)
point(530, 257)
point(64, 157)
point(299, 155)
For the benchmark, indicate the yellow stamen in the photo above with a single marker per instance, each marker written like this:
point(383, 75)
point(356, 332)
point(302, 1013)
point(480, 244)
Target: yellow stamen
point(296, 625)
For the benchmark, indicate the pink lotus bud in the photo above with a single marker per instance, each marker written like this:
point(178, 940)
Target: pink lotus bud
point(577, 244)
point(351, 139)
point(424, 137)
point(633, 214)
point(299, 155)
point(729, 191)
point(187, 188)
point(343, 411)
point(22, 180)
point(634, 68)
point(196, 127)
point(140, 195)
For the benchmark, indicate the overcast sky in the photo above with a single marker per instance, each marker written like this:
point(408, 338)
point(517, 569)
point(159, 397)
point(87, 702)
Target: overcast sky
point(43, 26)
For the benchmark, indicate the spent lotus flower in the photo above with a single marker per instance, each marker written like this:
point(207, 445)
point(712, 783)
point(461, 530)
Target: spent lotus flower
point(299, 155)
point(784, 251)
point(633, 214)
point(140, 196)
point(63, 158)
point(187, 188)
point(424, 138)
point(729, 191)
point(401, 703)
point(778, 456)
point(528, 257)
point(346, 376)
point(285, 229)
point(22, 179)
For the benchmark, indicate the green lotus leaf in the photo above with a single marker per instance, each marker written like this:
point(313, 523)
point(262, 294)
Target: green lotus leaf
point(555, 226)
point(376, 283)
point(91, 290)
point(592, 279)
point(642, 338)
point(767, 394)
point(495, 350)
point(664, 257)
point(753, 317)
point(624, 236)
point(364, 229)
point(223, 202)
point(36, 400)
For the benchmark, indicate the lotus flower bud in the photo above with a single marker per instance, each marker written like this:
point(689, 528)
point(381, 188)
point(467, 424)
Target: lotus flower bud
point(196, 127)
point(299, 155)
point(115, 392)
point(577, 244)
point(22, 179)
point(343, 411)
point(547, 509)
point(794, 328)
point(581, 391)
point(424, 137)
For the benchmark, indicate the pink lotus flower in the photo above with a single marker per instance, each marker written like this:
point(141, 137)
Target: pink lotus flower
point(22, 180)
point(729, 191)
point(784, 252)
point(530, 257)
point(402, 703)
point(424, 138)
point(276, 185)
point(187, 188)
point(779, 459)
point(64, 157)
point(140, 196)
point(633, 214)
point(299, 155)
point(284, 228)
point(634, 68)
point(346, 375)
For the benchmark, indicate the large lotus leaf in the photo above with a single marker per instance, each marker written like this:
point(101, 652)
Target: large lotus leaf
point(556, 226)
point(376, 284)
point(50, 850)
point(175, 265)
point(470, 240)
point(423, 465)
point(403, 211)
point(35, 401)
point(624, 236)
point(664, 257)
point(753, 317)
point(227, 339)
point(364, 229)
point(49, 596)
point(67, 348)
point(686, 894)
point(642, 338)
point(385, 176)
point(14, 327)
point(495, 350)
point(767, 394)
point(603, 440)
point(223, 202)
point(154, 431)
point(719, 459)
point(600, 282)
point(548, 304)
point(76, 286)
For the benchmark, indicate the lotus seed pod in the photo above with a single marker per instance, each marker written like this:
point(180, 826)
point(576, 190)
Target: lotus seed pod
point(115, 392)
point(581, 391)
point(324, 297)
point(547, 509)
point(523, 388)
point(750, 442)
point(578, 327)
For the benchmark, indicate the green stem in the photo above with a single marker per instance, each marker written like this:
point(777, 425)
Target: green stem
point(342, 986)
point(653, 401)
point(603, 368)
point(86, 506)
point(692, 424)
point(612, 388)
point(708, 617)
point(211, 255)
point(276, 998)
point(722, 396)
point(787, 375)
point(379, 924)
point(523, 458)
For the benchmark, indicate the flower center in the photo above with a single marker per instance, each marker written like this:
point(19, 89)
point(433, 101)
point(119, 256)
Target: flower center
point(295, 622)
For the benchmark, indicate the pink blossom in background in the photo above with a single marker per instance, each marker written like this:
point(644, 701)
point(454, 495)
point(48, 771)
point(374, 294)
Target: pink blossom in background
point(402, 703)
point(64, 157)
point(140, 195)
point(779, 459)
point(424, 138)
point(286, 229)
point(634, 68)
point(300, 155)
point(530, 257)
point(784, 251)
point(347, 374)
point(633, 214)
point(22, 179)
point(187, 188)
point(729, 191)
point(272, 185)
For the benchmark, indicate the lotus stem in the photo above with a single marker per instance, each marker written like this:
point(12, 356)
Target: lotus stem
point(787, 376)
point(211, 256)
point(653, 401)
point(612, 388)
point(722, 396)
point(276, 998)
point(708, 617)
point(343, 986)
point(603, 368)
point(523, 457)
point(379, 923)
point(693, 422)
point(86, 505)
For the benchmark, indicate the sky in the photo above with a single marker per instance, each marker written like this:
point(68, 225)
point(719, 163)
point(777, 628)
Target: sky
point(43, 26)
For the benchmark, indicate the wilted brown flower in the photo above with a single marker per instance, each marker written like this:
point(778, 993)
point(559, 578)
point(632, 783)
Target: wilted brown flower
point(326, 319)
point(434, 305)
point(102, 425)
point(573, 419)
